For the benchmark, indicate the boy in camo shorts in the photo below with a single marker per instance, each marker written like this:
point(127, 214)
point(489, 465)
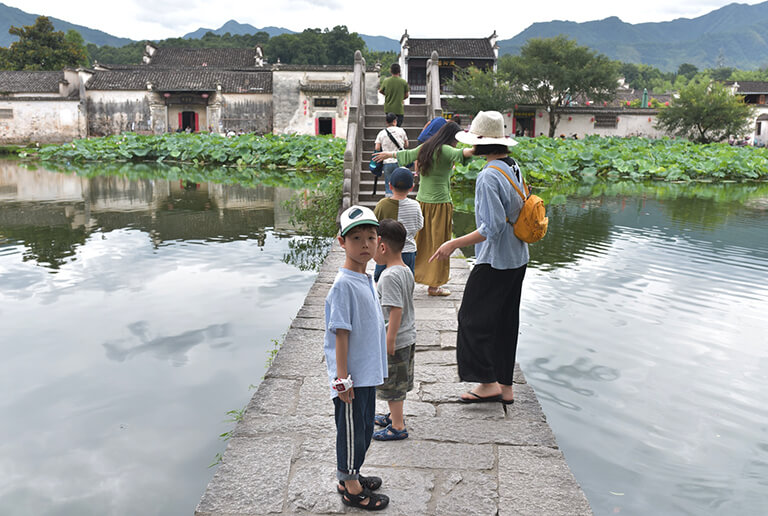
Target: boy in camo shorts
point(395, 290)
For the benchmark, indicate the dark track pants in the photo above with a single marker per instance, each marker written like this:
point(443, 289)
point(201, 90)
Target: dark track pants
point(354, 429)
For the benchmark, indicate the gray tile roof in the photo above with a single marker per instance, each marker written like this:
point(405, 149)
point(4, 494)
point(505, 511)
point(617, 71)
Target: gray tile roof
point(753, 87)
point(325, 86)
point(209, 57)
point(30, 82)
point(451, 48)
point(182, 80)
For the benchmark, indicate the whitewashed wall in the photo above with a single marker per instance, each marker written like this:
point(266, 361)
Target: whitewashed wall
point(42, 121)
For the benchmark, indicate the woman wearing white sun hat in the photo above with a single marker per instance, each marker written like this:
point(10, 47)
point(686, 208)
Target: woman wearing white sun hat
point(490, 309)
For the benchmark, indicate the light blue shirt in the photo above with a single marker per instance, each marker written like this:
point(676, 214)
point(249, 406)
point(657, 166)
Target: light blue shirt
point(352, 304)
point(495, 202)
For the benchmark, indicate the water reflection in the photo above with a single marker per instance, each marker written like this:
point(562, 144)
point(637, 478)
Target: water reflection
point(52, 214)
point(643, 334)
point(133, 309)
point(172, 348)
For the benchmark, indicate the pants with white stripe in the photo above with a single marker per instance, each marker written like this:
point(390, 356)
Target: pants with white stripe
point(354, 429)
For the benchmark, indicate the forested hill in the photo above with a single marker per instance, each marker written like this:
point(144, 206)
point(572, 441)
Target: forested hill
point(10, 16)
point(733, 36)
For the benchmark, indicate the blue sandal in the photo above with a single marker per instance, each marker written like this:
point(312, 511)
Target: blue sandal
point(390, 434)
point(382, 420)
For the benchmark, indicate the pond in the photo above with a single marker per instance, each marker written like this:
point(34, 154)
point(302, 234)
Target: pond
point(133, 316)
point(644, 332)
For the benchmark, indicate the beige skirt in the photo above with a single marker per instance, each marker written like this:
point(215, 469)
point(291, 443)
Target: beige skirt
point(438, 228)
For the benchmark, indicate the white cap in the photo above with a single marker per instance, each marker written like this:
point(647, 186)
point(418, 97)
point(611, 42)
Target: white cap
point(356, 216)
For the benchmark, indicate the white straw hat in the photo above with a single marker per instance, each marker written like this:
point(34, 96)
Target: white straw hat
point(487, 129)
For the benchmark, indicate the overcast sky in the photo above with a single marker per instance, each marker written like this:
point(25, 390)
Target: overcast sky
point(159, 19)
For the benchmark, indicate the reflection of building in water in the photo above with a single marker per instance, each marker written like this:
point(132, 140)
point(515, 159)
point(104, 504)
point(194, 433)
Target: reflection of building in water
point(168, 210)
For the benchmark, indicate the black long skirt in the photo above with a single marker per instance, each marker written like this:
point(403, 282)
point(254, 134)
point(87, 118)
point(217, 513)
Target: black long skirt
point(489, 319)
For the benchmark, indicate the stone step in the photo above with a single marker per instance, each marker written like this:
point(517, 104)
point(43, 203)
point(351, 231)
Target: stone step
point(413, 131)
point(366, 197)
point(408, 109)
point(409, 122)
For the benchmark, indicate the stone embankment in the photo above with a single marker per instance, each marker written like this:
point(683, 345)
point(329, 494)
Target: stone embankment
point(459, 459)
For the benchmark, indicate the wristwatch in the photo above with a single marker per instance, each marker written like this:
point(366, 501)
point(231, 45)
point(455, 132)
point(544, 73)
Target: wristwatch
point(342, 384)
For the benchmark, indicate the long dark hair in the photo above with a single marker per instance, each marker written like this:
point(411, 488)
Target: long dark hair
point(428, 150)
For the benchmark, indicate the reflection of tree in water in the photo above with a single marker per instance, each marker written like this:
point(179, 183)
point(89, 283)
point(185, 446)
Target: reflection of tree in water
point(566, 376)
point(307, 254)
point(569, 235)
point(173, 348)
point(48, 246)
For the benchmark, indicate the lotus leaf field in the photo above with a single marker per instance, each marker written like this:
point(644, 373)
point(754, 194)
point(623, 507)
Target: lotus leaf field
point(545, 161)
point(550, 161)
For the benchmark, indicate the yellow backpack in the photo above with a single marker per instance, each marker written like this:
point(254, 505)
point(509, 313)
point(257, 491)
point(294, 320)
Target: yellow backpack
point(531, 225)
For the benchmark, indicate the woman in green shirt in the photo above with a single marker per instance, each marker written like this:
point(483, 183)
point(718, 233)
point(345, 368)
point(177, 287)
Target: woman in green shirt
point(436, 158)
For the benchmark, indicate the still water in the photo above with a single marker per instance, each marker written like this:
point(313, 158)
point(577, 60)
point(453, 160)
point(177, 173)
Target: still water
point(644, 332)
point(133, 316)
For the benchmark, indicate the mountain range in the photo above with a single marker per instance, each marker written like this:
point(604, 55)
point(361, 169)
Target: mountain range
point(734, 36)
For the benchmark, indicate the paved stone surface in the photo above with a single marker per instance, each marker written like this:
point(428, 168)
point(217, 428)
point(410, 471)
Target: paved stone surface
point(460, 459)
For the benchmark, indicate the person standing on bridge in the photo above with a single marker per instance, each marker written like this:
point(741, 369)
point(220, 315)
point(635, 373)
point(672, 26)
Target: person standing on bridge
point(395, 90)
point(390, 139)
point(489, 316)
point(436, 158)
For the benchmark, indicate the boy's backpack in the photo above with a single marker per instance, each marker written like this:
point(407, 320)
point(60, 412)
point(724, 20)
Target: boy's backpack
point(531, 225)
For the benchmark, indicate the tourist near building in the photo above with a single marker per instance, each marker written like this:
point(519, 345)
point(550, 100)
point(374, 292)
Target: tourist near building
point(233, 89)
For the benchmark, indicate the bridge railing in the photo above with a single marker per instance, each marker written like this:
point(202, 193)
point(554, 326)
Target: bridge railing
point(434, 105)
point(353, 153)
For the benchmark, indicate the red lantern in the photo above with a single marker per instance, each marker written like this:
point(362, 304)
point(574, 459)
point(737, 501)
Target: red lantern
point(592, 119)
point(515, 106)
point(509, 115)
point(649, 103)
point(204, 95)
point(305, 101)
point(605, 103)
point(570, 118)
point(166, 95)
point(541, 114)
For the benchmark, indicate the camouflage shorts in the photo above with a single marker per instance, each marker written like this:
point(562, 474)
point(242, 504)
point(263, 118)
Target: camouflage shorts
point(400, 381)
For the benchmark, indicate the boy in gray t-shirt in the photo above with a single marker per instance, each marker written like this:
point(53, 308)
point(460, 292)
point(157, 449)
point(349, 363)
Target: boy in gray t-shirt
point(395, 290)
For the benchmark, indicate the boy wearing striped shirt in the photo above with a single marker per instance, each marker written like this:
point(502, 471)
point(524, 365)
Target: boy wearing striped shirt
point(404, 210)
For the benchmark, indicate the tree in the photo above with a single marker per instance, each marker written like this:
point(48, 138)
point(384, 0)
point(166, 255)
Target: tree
point(705, 112)
point(481, 90)
point(553, 70)
point(639, 76)
point(315, 47)
point(687, 70)
point(40, 47)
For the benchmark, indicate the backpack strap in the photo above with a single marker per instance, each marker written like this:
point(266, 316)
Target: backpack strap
point(525, 186)
point(397, 144)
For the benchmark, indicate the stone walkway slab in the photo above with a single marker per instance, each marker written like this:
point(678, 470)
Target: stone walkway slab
point(460, 459)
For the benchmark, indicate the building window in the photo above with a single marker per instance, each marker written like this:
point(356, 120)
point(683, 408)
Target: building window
point(326, 103)
point(604, 120)
point(6, 113)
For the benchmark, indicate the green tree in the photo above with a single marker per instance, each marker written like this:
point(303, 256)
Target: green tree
point(386, 58)
point(481, 90)
point(687, 70)
point(705, 112)
point(639, 76)
point(315, 47)
point(553, 70)
point(40, 47)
